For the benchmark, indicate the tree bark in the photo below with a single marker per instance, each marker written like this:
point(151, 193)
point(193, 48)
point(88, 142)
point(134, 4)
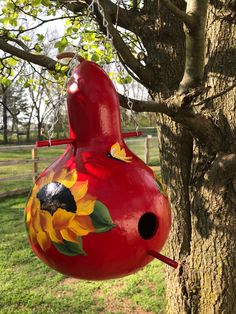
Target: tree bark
point(203, 236)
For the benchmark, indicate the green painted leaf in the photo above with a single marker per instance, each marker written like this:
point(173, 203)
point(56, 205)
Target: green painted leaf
point(101, 218)
point(70, 248)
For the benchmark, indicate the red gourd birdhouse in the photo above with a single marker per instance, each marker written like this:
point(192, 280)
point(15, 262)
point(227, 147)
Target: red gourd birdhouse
point(98, 211)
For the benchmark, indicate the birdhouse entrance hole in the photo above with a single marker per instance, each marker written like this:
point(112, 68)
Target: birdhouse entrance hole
point(147, 226)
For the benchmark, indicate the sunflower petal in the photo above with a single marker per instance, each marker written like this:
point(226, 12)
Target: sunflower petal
point(68, 179)
point(69, 235)
point(30, 202)
point(46, 179)
point(81, 225)
point(43, 240)
point(55, 236)
point(32, 234)
point(61, 218)
point(36, 222)
point(79, 190)
point(28, 217)
point(46, 220)
point(85, 206)
point(32, 196)
point(35, 206)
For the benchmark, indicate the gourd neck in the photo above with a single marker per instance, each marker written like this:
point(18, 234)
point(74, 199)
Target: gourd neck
point(93, 106)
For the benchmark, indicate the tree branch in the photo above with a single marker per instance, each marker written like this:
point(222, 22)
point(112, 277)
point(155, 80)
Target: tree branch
point(146, 106)
point(183, 16)
point(202, 129)
point(41, 60)
point(146, 76)
point(126, 19)
point(195, 46)
point(215, 96)
point(14, 115)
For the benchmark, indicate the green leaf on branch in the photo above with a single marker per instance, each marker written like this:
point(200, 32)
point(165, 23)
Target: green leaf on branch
point(95, 57)
point(26, 38)
point(37, 48)
point(124, 80)
point(12, 62)
point(36, 2)
point(40, 37)
point(47, 3)
point(62, 44)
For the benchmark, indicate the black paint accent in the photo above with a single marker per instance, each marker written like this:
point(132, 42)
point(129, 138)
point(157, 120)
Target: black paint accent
point(55, 195)
point(148, 225)
point(110, 156)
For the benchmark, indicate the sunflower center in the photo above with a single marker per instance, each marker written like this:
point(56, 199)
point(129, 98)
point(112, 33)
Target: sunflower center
point(55, 195)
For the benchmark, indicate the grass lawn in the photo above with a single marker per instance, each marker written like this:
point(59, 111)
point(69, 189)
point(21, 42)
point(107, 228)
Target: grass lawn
point(29, 286)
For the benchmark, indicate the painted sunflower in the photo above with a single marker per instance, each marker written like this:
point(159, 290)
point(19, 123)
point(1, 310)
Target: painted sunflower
point(57, 212)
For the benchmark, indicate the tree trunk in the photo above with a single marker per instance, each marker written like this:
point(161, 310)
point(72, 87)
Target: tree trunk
point(202, 193)
point(5, 120)
point(39, 130)
point(28, 126)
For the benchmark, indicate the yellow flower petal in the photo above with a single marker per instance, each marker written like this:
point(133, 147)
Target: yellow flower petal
point(115, 149)
point(36, 222)
point(119, 153)
point(68, 179)
point(55, 236)
point(35, 206)
point(28, 217)
point(79, 190)
point(127, 159)
point(46, 179)
point(46, 223)
point(122, 153)
point(85, 206)
point(30, 202)
point(32, 196)
point(43, 240)
point(81, 225)
point(69, 235)
point(46, 220)
point(32, 235)
point(61, 218)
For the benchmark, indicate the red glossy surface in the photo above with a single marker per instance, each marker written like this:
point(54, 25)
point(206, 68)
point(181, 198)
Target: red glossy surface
point(54, 142)
point(127, 189)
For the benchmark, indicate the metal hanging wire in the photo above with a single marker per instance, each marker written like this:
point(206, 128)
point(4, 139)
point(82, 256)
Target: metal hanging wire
point(74, 61)
point(118, 67)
